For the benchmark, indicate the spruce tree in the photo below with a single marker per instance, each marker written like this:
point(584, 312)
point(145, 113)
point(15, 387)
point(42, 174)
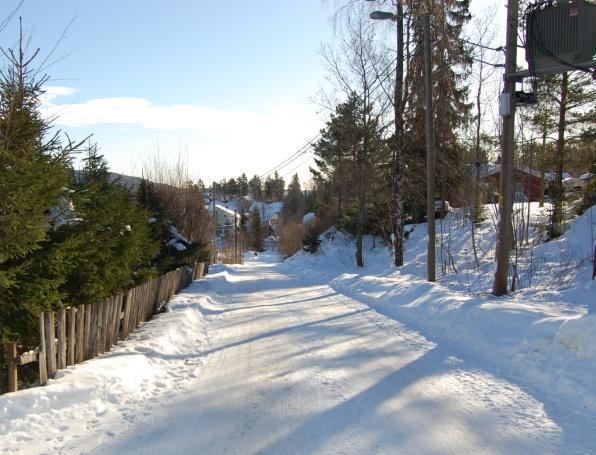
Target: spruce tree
point(258, 231)
point(279, 187)
point(243, 184)
point(256, 188)
point(451, 67)
point(233, 188)
point(33, 178)
point(163, 230)
point(110, 246)
point(269, 189)
point(294, 203)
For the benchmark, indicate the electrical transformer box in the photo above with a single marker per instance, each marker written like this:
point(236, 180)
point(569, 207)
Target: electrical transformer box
point(560, 36)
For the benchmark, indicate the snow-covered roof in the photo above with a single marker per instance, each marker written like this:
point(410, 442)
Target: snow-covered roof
point(226, 211)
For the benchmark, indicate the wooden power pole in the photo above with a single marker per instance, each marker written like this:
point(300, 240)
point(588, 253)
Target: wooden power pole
point(214, 224)
point(236, 255)
point(430, 160)
point(506, 184)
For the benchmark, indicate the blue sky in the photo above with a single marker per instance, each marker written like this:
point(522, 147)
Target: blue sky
point(242, 65)
point(229, 84)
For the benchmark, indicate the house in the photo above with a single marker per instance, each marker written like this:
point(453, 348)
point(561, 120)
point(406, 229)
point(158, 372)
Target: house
point(245, 204)
point(529, 183)
point(225, 216)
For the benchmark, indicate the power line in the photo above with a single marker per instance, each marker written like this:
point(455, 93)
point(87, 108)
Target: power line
point(301, 151)
point(495, 65)
point(305, 148)
point(299, 165)
point(496, 49)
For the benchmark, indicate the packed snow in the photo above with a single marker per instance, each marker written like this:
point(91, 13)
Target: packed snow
point(315, 355)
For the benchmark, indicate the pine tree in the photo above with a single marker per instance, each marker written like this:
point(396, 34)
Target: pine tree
point(279, 187)
point(110, 246)
point(232, 187)
point(257, 231)
point(256, 188)
point(294, 203)
point(349, 144)
point(451, 63)
point(33, 178)
point(335, 158)
point(274, 188)
point(269, 189)
point(162, 230)
point(566, 104)
point(243, 184)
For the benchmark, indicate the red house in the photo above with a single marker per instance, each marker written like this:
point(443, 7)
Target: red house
point(529, 184)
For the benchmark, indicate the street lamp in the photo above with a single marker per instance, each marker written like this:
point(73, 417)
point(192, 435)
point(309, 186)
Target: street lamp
point(430, 160)
point(383, 15)
point(398, 153)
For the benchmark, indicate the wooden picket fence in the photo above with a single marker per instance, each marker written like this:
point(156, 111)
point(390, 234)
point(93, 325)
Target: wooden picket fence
point(75, 334)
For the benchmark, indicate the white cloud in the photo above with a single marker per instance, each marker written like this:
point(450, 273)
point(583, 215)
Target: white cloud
point(53, 91)
point(247, 139)
point(139, 111)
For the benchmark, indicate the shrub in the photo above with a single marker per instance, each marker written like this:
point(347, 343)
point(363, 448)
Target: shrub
point(311, 243)
point(290, 237)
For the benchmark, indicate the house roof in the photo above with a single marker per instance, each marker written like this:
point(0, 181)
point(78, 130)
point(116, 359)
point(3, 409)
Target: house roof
point(492, 169)
point(226, 211)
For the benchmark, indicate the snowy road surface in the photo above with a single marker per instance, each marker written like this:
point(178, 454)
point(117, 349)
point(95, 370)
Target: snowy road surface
point(253, 360)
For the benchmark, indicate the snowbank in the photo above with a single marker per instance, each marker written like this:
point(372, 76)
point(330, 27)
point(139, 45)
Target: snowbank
point(541, 336)
point(157, 360)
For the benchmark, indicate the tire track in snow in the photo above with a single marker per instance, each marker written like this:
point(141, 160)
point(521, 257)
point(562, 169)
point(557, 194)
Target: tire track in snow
point(301, 369)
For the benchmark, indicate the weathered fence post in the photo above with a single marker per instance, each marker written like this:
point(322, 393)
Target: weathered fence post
point(105, 306)
point(80, 343)
point(61, 339)
point(127, 311)
point(72, 315)
point(92, 352)
point(116, 321)
point(50, 343)
point(11, 354)
point(109, 322)
point(75, 334)
point(42, 355)
point(87, 332)
point(98, 325)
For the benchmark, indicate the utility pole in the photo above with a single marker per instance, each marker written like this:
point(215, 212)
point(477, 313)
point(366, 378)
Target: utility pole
point(241, 234)
point(430, 160)
point(507, 111)
point(398, 162)
point(398, 158)
point(236, 237)
point(214, 223)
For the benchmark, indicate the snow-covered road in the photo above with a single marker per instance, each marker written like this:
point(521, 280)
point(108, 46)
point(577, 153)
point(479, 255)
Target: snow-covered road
point(253, 360)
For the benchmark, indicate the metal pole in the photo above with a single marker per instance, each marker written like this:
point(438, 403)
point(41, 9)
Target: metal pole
point(430, 160)
point(507, 110)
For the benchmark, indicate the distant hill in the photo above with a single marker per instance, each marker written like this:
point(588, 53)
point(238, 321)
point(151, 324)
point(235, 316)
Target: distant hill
point(128, 181)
